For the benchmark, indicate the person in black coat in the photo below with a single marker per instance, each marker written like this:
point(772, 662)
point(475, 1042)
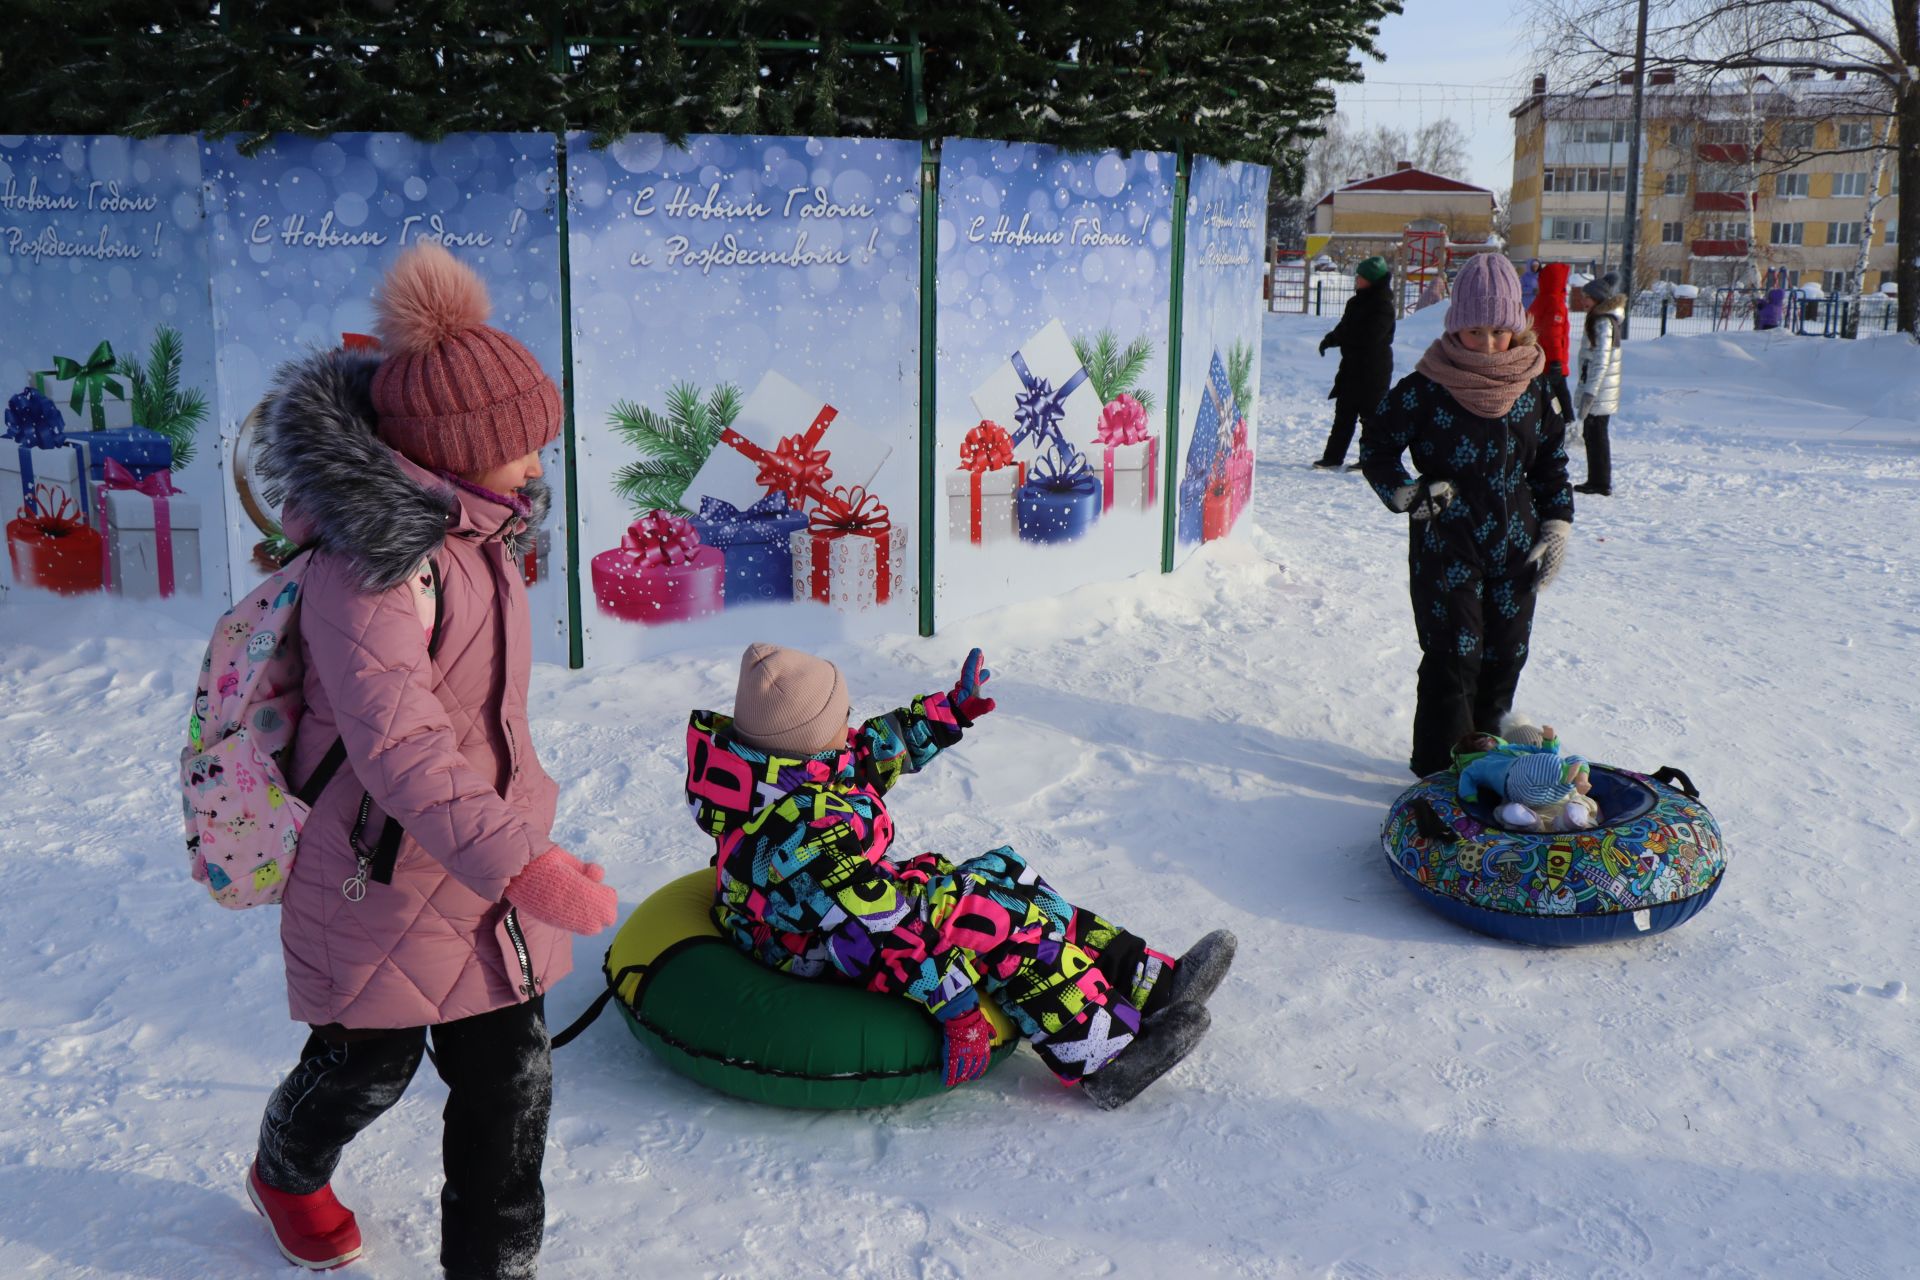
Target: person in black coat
point(1365, 338)
point(1491, 512)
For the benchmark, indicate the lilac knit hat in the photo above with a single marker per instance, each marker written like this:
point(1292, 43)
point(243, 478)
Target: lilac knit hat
point(1486, 294)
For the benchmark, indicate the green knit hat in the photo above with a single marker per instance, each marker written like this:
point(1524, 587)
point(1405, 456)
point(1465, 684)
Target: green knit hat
point(1374, 269)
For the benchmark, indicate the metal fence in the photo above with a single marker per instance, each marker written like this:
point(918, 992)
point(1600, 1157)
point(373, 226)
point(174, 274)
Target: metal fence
point(1325, 294)
point(1733, 309)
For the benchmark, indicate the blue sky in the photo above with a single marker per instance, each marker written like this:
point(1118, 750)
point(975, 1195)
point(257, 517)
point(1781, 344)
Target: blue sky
point(1449, 58)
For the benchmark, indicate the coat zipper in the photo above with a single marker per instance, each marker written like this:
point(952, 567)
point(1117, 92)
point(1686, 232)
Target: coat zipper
point(354, 887)
point(527, 986)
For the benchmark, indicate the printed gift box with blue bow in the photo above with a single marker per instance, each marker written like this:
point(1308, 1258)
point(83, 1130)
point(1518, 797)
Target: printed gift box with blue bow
point(1207, 447)
point(45, 451)
point(1043, 392)
point(1061, 498)
point(786, 440)
point(757, 543)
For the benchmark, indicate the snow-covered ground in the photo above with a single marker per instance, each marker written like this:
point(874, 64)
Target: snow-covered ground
point(1383, 1095)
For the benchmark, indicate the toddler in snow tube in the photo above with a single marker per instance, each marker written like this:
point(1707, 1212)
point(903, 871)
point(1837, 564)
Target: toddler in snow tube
point(794, 801)
point(1521, 842)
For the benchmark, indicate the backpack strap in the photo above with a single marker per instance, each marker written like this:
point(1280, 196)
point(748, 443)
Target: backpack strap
point(309, 795)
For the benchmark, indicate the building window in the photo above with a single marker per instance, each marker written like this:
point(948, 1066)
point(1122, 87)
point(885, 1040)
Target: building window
point(1727, 133)
point(1570, 180)
point(1892, 234)
point(1724, 231)
point(1720, 177)
point(1680, 135)
point(1672, 232)
point(1672, 275)
point(1676, 185)
point(1850, 184)
point(1834, 281)
point(1576, 230)
point(1797, 136)
point(1855, 135)
point(1788, 233)
point(1843, 233)
point(1790, 186)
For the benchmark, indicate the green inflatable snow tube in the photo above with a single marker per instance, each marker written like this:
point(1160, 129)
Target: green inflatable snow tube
point(716, 1015)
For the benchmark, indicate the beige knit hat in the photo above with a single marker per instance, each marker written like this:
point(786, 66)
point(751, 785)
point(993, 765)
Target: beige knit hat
point(789, 703)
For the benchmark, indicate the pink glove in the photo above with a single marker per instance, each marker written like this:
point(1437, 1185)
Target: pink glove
point(969, 1047)
point(553, 888)
point(968, 697)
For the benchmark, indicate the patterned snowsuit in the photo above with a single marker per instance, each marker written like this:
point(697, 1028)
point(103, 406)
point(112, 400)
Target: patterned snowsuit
point(1472, 588)
point(802, 883)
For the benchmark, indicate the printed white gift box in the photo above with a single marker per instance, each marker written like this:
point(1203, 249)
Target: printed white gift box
point(776, 411)
point(1046, 356)
point(137, 564)
point(985, 514)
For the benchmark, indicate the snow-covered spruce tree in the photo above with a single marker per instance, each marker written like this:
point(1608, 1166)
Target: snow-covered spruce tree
point(1238, 79)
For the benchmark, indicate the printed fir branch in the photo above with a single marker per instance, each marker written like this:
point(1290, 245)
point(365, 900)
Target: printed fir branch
point(1240, 376)
point(672, 445)
point(159, 402)
point(1114, 370)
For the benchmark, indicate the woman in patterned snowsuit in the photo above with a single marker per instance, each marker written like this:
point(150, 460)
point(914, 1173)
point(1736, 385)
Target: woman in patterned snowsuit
point(1491, 513)
point(804, 885)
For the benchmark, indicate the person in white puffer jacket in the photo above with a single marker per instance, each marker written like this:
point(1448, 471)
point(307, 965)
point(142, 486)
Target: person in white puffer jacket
point(1598, 398)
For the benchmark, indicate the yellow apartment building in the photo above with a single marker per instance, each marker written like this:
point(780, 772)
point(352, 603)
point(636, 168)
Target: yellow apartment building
point(1734, 182)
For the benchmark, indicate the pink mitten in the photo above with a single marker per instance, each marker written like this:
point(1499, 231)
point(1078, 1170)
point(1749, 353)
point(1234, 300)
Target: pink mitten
point(551, 888)
point(591, 870)
point(969, 1047)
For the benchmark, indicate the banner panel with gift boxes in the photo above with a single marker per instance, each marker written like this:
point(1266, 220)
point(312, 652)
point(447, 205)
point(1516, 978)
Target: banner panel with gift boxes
point(109, 463)
point(1055, 272)
point(301, 233)
point(746, 351)
point(746, 320)
point(1220, 348)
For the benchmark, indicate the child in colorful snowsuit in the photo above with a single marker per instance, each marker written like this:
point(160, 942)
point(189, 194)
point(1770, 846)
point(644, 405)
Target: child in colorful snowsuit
point(794, 801)
point(415, 476)
point(1490, 517)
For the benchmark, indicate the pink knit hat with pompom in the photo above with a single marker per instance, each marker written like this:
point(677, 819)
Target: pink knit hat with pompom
point(454, 393)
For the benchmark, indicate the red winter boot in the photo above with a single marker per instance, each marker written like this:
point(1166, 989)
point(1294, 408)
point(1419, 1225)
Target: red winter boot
point(314, 1231)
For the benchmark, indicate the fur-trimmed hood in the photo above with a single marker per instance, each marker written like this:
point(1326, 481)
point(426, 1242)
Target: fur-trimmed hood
point(345, 488)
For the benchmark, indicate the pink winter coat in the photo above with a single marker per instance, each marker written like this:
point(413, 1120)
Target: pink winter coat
point(438, 742)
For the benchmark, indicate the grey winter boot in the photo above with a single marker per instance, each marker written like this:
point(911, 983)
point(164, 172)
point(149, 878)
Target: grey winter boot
point(1196, 975)
point(1154, 1052)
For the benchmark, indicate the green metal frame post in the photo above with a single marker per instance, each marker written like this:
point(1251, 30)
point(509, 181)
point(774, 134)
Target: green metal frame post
point(929, 331)
point(576, 631)
point(1170, 506)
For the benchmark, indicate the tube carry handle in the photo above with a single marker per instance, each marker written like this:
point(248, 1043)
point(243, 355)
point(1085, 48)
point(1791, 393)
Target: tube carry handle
point(1669, 776)
point(1430, 824)
point(594, 1010)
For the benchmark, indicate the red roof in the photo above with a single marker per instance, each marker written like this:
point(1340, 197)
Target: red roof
point(1408, 180)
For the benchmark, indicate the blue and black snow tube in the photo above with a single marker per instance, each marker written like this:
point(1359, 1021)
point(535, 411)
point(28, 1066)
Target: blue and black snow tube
point(1655, 861)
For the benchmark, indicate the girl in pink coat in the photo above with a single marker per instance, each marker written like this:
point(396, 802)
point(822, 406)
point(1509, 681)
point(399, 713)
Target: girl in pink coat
point(428, 897)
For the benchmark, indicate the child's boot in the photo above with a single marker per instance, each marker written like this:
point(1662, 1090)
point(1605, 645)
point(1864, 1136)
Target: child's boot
point(1196, 975)
point(314, 1231)
point(1155, 1051)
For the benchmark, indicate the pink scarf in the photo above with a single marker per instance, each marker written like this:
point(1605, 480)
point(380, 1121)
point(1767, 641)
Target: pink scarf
point(1485, 385)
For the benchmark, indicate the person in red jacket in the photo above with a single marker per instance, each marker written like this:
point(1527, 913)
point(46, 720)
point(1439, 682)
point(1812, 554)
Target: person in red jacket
point(1548, 312)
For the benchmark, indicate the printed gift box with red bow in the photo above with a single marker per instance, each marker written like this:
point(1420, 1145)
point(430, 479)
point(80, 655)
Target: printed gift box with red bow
point(851, 556)
point(786, 440)
point(1042, 396)
point(41, 450)
point(151, 532)
point(659, 573)
point(51, 547)
point(980, 493)
point(1127, 456)
point(1239, 470)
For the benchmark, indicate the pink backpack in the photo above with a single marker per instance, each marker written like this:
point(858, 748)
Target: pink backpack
point(243, 818)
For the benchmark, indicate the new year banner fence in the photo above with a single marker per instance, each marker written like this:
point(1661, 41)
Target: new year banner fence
point(1054, 282)
point(108, 466)
point(746, 408)
point(746, 317)
point(1220, 347)
point(302, 232)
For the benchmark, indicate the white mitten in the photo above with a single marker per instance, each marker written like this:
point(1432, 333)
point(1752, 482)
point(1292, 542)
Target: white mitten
point(1549, 552)
point(1409, 499)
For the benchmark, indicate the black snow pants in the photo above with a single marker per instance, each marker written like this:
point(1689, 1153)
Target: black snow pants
point(1599, 453)
point(1473, 644)
point(499, 1073)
